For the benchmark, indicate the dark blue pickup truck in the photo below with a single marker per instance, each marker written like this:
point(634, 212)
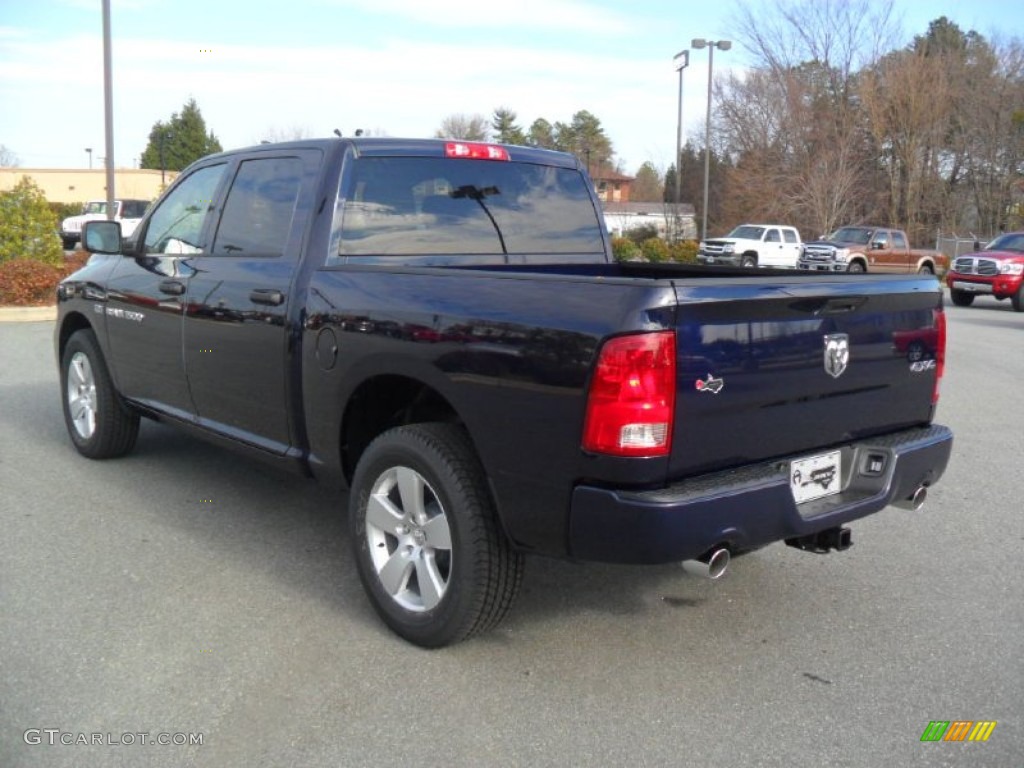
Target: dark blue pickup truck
point(439, 327)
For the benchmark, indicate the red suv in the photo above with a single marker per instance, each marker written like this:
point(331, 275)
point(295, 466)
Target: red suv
point(996, 271)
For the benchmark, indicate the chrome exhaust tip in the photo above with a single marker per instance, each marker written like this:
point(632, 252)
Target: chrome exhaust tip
point(915, 501)
point(711, 565)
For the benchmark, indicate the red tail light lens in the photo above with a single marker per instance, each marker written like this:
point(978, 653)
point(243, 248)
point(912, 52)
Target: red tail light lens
point(940, 351)
point(631, 402)
point(473, 151)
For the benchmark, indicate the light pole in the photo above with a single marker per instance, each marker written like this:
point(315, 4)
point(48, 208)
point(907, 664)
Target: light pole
point(722, 45)
point(164, 135)
point(680, 66)
point(89, 151)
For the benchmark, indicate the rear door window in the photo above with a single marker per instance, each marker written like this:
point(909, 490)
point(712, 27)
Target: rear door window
point(425, 205)
point(259, 208)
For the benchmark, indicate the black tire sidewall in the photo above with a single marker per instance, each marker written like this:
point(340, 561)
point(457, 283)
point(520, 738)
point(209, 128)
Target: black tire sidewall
point(445, 622)
point(106, 439)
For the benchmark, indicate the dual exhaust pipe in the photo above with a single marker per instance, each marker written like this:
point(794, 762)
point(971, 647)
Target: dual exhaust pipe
point(915, 501)
point(714, 563)
point(711, 565)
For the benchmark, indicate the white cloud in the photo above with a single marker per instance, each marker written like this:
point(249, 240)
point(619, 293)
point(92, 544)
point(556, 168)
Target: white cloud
point(568, 15)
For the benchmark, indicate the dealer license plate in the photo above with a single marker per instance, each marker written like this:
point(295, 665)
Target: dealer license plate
point(816, 476)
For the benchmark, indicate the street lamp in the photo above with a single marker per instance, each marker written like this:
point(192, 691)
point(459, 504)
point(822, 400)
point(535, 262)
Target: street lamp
point(164, 135)
point(680, 66)
point(722, 45)
point(89, 150)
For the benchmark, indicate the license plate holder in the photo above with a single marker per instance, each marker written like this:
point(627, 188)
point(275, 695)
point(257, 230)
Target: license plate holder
point(816, 477)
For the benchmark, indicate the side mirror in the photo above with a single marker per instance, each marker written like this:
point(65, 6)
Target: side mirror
point(878, 245)
point(102, 237)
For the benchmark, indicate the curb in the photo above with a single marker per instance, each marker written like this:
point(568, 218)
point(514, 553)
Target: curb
point(27, 314)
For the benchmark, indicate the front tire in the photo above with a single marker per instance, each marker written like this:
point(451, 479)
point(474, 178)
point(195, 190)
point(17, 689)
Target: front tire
point(430, 553)
point(856, 267)
point(749, 261)
point(101, 426)
point(1018, 299)
point(961, 298)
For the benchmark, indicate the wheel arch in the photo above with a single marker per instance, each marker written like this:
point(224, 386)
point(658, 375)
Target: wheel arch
point(71, 324)
point(384, 401)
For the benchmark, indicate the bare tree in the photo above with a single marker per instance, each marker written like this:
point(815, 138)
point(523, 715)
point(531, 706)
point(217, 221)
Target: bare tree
point(462, 126)
point(275, 134)
point(7, 158)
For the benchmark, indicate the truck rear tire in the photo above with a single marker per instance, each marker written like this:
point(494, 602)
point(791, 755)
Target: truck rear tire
point(429, 549)
point(101, 426)
point(961, 298)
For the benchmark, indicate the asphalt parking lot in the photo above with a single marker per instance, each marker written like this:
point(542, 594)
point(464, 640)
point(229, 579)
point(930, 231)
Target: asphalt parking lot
point(185, 590)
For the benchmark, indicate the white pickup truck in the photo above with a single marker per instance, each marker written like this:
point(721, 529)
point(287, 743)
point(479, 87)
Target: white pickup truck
point(128, 212)
point(754, 245)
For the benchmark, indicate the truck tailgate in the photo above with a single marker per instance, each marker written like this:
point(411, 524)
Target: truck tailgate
point(775, 369)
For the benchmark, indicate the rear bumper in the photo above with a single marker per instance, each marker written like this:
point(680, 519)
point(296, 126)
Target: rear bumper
point(751, 506)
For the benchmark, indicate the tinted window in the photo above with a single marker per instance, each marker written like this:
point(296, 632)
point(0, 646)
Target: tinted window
point(417, 205)
point(175, 227)
point(773, 236)
point(259, 208)
point(790, 235)
point(133, 209)
point(898, 240)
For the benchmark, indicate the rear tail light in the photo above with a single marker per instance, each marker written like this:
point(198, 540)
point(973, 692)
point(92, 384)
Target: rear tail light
point(473, 151)
point(940, 351)
point(631, 402)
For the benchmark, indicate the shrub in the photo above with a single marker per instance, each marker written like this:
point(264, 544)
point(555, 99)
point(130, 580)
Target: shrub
point(684, 251)
point(28, 228)
point(641, 233)
point(63, 210)
point(624, 249)
point(654, 249)
point(27, 282)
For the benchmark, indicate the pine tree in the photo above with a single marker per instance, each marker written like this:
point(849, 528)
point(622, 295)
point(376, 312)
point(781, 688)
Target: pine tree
point(505, 129)
point(184, 139)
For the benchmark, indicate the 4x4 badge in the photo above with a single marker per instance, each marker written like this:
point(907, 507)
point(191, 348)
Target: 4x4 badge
point(837, 354)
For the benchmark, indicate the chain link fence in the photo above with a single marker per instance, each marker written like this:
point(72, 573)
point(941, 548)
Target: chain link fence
point(954, 245)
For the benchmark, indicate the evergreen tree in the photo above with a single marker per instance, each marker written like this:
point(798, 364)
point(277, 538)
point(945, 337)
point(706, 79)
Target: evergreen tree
point(541, 134)
point(646, 185)
point(184, 139)
point(505, 129)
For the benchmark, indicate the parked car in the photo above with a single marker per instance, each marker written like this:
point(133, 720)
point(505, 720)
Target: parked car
point(440, 326)
point(753, 245)
point(870, 249)
point(996, 271)
point(128, 212)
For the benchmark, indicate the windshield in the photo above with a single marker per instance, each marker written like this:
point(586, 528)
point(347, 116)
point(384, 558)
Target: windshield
point(747, 232)
point(425, 205)
point(858, 235)
point(1012, 242)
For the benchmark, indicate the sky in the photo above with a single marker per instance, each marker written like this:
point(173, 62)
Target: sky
point(395, 67)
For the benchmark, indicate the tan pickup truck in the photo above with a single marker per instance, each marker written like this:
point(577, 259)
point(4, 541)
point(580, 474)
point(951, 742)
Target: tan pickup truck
point(870, 249)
